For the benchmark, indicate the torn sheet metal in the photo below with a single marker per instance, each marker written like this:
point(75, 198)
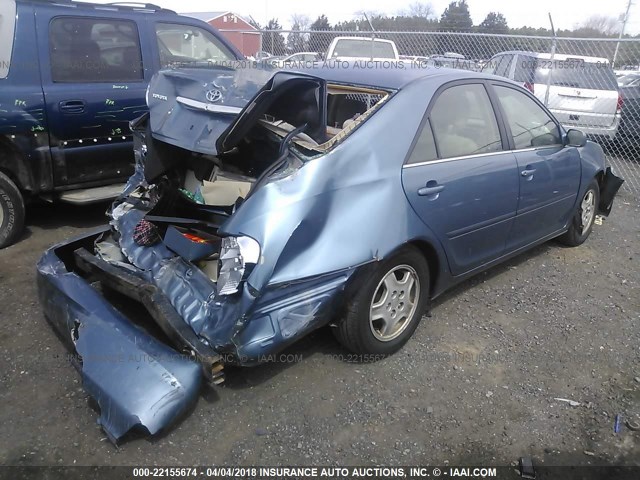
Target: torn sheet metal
point(136, 380)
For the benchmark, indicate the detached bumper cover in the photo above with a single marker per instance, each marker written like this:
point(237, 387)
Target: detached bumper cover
point(135, 379)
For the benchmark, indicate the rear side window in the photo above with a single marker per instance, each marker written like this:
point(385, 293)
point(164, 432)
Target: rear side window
point(464, 122)
point(530, 125)
point(7, 29)
point(425, 148)
point(576, 73)
point(85, 50)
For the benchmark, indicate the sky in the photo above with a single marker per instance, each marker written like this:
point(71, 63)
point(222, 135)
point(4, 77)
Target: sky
point(534, 13)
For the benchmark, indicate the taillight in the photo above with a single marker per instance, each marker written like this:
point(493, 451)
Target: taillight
point(620, 102)
point(529, 86)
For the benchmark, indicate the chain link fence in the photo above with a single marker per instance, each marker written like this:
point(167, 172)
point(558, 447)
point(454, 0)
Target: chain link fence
point(591, 84)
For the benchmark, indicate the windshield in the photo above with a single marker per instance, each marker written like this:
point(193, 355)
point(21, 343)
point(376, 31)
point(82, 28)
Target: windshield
point(362, 48)
point(186, 44)
point(629, 80)
point(576, 74)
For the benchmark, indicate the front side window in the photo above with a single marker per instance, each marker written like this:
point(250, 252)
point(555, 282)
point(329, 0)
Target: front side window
point(186, 44)
point(7, 29)
point(94, 50)
point(530, 125)
point(464, 122)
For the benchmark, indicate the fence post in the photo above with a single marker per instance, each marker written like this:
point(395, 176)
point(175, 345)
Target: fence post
point(553, 53)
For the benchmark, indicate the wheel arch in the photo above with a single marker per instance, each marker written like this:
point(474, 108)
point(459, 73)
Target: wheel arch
point(13, 164)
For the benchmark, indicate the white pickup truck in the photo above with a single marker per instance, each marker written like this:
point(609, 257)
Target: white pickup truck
point(362, 48)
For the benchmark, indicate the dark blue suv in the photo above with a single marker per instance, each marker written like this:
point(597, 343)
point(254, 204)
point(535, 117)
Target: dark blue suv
point(72, 77)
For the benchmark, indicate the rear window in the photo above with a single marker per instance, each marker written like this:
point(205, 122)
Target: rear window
point(576, 73)
point(7, 28)
point(363, 49)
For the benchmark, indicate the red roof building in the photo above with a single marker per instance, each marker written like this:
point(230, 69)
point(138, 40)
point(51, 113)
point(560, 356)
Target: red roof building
point(244, 36)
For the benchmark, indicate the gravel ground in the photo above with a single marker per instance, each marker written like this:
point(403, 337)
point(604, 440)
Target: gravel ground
point(476, 383)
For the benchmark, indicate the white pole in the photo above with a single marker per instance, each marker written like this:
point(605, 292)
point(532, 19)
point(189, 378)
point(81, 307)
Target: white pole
point(624, 24)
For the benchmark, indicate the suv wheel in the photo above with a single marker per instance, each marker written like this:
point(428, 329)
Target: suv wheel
point(11, 211)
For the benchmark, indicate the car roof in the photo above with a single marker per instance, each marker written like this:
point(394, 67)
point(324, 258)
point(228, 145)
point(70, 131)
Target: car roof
point(368, 39)
point(386, 78)
point(556, 56)
point(127, 7)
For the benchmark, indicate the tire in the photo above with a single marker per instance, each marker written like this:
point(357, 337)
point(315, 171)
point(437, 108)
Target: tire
point(359, 333)
point(581, 225)
point(11, 211)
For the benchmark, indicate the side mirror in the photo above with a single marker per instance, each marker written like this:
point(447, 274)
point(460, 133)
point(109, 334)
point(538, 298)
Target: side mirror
point(575, 138)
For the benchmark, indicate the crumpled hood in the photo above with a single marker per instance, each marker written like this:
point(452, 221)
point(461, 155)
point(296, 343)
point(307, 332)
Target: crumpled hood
point(191, 107)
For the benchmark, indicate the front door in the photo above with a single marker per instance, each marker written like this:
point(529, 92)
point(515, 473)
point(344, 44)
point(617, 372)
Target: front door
point(549, 172)
point(460, 180)
point(94, 85)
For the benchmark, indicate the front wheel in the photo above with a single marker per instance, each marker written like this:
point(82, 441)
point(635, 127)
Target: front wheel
point(386, 310)
point(11, 211)
point(584, 217)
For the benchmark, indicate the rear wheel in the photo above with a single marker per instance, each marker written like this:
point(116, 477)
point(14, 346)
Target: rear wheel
point(11, 211)
point(584, 217)
point(383, 314)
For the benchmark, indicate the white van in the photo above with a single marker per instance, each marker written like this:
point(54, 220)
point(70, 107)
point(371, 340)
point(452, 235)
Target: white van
point(583, 91)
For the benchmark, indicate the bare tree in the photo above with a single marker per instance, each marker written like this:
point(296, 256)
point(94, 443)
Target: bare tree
point(419, 9)
point(302, 21)
point(601, 23)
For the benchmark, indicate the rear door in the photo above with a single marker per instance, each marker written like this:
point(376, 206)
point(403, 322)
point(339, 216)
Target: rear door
point(580, 93)
point(460, 179)
point(94, 83)
point(549, 173)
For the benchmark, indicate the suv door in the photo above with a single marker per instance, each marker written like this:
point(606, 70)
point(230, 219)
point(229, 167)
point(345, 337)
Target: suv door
point(460, 180)
point(549, 173)
point(94, 83)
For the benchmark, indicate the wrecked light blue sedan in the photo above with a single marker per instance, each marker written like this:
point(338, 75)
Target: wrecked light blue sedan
point(265, 205)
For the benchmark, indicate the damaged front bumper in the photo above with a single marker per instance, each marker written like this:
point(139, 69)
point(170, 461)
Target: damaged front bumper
point(139, 380)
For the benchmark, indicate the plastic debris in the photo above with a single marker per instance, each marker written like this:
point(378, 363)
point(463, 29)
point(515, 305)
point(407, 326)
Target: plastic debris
point(616, 423)
point(526, 468)
point(573, 403)
point(631, 425)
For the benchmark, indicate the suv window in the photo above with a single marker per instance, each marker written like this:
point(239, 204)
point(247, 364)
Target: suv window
point(363, 48)
point(94, 50)
point(530, 125)
point(505, 66)
point(490, 66)
point(7, 28)
point(464, 122)
point(425, 148)
point(186, 44)
point(576, 73)
point(524, 69)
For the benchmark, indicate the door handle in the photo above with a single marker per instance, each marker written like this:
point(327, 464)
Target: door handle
point(528, 172)
point(72, 106)
point(431, 188)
